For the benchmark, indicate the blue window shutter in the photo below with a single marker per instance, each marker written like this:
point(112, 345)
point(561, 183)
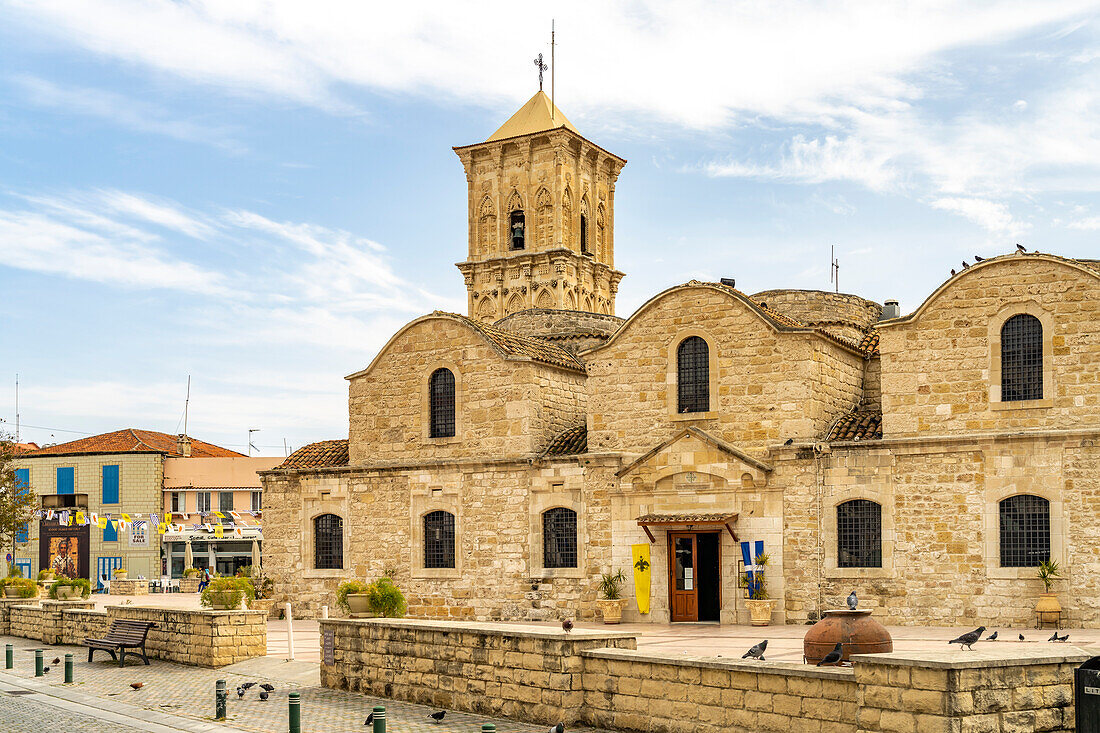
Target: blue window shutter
point(23, 477)
point(110, 484)
point(22, 534)
point(110, 534)
point(65, 480)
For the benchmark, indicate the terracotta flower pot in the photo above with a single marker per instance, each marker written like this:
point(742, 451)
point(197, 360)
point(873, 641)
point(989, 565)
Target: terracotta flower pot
point(760, 612)
point(611, 610)
point(855, 630)
point(358, 605)
point(222, 600)
point(67, 592)
point(1048, 603)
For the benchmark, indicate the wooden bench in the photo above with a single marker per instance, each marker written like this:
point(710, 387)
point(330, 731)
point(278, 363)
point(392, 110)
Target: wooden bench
point(124, 634)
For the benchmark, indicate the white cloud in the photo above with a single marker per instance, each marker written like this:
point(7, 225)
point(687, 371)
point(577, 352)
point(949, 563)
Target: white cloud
point(990, 215)
point(1088, 224)
point(819, 161)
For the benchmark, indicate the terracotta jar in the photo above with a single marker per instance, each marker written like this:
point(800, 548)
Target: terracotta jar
point(856, 630)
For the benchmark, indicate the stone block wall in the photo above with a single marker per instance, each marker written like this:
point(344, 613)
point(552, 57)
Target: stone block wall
point(6, 605)
point(44, 622)
point(78, 625)
point(819, 306)
point(28, 622)
point(129, 587)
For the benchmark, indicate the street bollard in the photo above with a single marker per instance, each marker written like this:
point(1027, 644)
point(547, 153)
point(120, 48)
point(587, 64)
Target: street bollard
point(379, 719)
point(9, 656)
point(289, 634)
point(488, 728)
point(38, 663)
point(68, 669)
point(295, 716)
point(220, 696)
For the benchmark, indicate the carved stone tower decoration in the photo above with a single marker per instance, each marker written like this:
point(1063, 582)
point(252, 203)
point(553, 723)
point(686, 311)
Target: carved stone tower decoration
point(542, 215)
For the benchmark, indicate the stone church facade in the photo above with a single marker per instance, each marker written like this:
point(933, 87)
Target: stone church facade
point(498, 462)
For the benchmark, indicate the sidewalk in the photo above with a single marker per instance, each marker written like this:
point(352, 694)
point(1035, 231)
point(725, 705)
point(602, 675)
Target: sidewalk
point(180, 698)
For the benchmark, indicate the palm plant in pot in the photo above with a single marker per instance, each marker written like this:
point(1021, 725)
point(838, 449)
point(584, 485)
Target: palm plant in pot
point(611, 600)
point(65, 589)
point(264, 587)
point(755, 583)
point(1048, 572)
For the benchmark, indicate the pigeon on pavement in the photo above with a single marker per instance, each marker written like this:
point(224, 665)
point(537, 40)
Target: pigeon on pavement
point(567, 625)
point(268, 687)
point(969, 638)
point(240, 693)
point(247, 685)
point(1021, 637)
point(1062, 638)
point(833, 658)
point(263, 694)
point(559, 728)
point(992, 637)
point(756, 651)
point(1054, 637)
point(369, 720)
point(852, 601)
point(56, 660)
point(45, 670)
point(137, 685)
point(438, 716)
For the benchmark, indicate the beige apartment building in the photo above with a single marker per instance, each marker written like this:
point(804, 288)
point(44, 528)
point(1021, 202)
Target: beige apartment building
point(498, 462)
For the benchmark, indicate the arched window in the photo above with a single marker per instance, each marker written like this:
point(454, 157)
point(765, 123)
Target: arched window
point(517, 225)
point(439, 540)
point(584, 234)
point(693, 375)
point(559, 538)
point(441, 391)
point(328, 542)
point(859, 534)
point(1025, 531)
point(1021, 358)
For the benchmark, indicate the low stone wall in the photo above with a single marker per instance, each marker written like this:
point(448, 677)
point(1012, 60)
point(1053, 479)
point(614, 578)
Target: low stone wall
point(79, 625)
point(530, 673)
point(45, 621)
point(190, 585)
point(6, 605)
point(129, 587)
point(541, 675)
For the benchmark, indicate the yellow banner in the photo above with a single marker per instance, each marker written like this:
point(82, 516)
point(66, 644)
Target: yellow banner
point(219, 531)
point(125, 517)
point(642, 570)
point(80, 518)
point(102, 523)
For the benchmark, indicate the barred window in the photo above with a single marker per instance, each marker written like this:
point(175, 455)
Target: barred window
point(439, 540)
point(328, 542)
point(441, 389)
point(1021, 358)
point(859, 534)
point(559, 538)
point(1025, 531)
point(693, 375)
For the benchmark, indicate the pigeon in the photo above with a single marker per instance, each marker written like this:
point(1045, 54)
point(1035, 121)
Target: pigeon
point(788, 441)
point(952, 273)
point(978, 258)
point(369, 720)
point(137, 685)
point(56, 660)
point(266, 686)
point(559, 728)
point(263, 694)
point(1020, 247)
point(438, 716)
point(852, 601)
point(1063, 637)
point(1053, 637)
point(1021, 637)
point(45, 670)
point(992, 637)
point(567, 625)
point(240, 693)
point(756, 651)
point(969, 638)
point(833, 658)
point(965, 265)
point(247, 685)
point(1058, 638)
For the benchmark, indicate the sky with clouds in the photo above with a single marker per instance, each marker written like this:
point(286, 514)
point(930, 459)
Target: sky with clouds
point(259, 193)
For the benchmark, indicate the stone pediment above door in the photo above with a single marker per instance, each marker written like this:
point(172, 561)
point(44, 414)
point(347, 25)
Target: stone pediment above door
point(692, 451)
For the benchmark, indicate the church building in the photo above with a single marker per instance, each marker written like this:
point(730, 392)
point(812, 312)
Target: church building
point(499, 462)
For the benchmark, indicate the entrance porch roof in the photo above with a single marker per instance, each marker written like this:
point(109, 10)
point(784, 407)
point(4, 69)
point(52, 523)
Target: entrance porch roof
point(689, 521)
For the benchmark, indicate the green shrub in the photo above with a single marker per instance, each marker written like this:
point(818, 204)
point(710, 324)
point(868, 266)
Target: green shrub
point(14, 571)
point(349, 586)
point(386, 599)
point(81, 583)
point(45, 574)
point(237, 589)
point(245, 571)
point(27, 588)
point(192, 573)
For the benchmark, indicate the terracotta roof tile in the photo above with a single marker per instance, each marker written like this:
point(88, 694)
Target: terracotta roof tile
point(869, 344)
point(687, 517)
point(132, 440)
point(858, 425)
point(531, 347)
point(569, 443)
point(323, 454)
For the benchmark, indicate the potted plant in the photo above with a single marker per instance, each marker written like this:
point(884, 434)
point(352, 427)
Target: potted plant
point(120, 574)
point(385, 599)
point(226, 593)
point(352, 596)
point(263, 586)
point(611, 603)
point(1048, 572)
point(65, 589)
point(19, 587)
point(44, 575)
point(755, 584)
point(189, 583)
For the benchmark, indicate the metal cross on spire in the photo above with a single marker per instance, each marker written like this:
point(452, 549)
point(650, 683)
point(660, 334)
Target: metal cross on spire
point(542, 67)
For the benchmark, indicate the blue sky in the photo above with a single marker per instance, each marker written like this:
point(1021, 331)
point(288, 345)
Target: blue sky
point(259, 194)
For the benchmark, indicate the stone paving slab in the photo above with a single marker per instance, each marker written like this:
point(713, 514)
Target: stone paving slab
point(27, 715)
point(189, 692)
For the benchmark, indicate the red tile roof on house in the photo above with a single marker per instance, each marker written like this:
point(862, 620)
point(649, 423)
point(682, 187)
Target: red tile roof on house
point(324, 454)
point(132, 440)
point(568, 443)
point(22, 447)
point(869, 344)
point(858, 425)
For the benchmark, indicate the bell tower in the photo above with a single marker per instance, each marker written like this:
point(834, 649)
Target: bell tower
point(541, 217)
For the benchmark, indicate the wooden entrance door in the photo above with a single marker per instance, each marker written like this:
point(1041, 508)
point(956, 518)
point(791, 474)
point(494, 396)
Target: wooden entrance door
point(683, 581)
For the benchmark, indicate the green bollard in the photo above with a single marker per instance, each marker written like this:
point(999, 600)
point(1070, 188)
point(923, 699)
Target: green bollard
point(220, 696)
point(488, 728)
point(37, 662)
point(9, 656)
point(295, 711)
point(379, 719)
point(68, 669)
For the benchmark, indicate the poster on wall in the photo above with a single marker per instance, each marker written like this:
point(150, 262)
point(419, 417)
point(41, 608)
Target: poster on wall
point(139, 533)
point(63, 549)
